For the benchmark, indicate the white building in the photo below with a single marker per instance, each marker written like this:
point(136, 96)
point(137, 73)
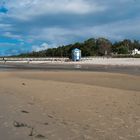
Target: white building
point(76, 54)
point(135, 51)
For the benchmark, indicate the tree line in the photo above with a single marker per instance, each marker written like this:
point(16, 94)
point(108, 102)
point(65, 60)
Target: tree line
point(90, 47)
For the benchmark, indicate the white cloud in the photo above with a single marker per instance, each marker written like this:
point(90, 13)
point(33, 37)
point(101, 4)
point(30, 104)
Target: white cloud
point(5, 25)
point(118, 30)
point(55, 35)
point(43, 46)
point(115, 30)
point(10, 35)
point(26, 9)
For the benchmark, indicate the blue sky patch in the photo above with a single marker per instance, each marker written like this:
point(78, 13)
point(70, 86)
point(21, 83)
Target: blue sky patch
point(3, 9)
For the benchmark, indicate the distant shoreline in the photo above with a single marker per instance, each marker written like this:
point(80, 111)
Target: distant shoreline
point(93, 61)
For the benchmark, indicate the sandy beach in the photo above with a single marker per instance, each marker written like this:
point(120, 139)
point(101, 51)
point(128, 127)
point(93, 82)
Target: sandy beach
point(84, 61)
point(70, 105)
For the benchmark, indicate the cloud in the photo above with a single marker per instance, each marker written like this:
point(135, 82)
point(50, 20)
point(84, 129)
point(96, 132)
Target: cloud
point(43, 46)
point(118, 30)
point(29, 23)
point(4, 27)
point(28, 9)
point(114, 31)
point(10, 35)
point(5, 44)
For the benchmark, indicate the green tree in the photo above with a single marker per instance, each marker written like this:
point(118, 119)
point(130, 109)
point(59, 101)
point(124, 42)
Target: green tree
point(122, 50)
point(103, 46)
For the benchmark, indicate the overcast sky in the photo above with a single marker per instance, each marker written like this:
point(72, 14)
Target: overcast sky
point(27, 25)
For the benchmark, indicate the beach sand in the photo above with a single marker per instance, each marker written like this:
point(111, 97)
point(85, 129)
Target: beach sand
point(69, 106)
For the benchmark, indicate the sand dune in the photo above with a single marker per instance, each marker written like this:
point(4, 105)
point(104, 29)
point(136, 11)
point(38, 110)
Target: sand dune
point(69, 106)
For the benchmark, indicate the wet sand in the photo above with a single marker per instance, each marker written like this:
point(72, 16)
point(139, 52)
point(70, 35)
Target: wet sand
point(126, 69)
point(69, 106)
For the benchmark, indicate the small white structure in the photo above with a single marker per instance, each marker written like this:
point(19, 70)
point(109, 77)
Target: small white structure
point(135, 51)
point(76, 54)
